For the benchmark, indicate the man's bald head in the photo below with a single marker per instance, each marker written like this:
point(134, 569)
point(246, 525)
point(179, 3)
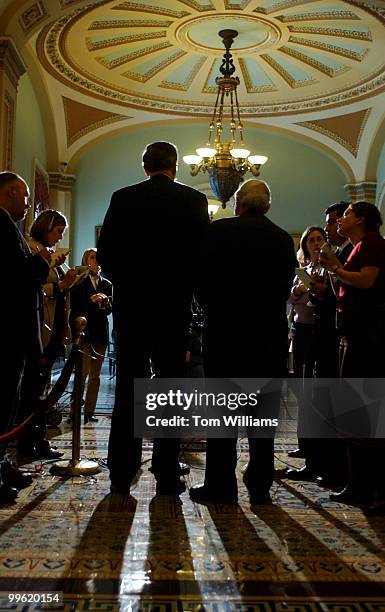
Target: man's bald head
point(253, 194)
point(14, 195)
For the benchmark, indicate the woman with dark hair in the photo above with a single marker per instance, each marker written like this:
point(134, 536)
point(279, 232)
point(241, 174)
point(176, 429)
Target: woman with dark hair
point(305, 311)
point(46, 231)
point(92, 299)
point(361, 304)
point(307, 353)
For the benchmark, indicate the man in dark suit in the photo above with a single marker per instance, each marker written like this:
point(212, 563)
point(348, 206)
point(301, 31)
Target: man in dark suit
point(153, 284)
point(22, 275)
point(246, 334)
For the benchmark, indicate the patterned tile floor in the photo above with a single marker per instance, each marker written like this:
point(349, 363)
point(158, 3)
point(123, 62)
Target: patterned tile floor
point(146, 553)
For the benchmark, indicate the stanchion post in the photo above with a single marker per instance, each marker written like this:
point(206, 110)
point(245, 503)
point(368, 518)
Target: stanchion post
point(75, 466)
point(77, 394)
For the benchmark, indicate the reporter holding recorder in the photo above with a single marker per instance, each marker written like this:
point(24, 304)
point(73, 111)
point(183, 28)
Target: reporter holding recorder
point(45, 232)
point(361, 306)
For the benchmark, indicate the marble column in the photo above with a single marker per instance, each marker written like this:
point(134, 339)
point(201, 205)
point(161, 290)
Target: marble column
point(60, 197)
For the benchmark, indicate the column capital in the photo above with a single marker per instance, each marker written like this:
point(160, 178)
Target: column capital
point(362, 191)
point(61, 181)
point(10, 60)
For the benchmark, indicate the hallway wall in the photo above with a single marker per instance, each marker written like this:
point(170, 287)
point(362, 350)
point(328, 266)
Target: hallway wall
point(303, 179)
point(381, 182)
point(30, 141)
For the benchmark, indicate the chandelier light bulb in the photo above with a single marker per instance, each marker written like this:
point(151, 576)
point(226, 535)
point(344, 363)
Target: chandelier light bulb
point(206, 152)
point(259, 160)
point(240, 153)
point(192, 160)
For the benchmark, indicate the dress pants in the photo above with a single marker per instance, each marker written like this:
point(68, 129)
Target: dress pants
point(154, 346)
point(11, 376)
point(92, 364)
point(245, 356)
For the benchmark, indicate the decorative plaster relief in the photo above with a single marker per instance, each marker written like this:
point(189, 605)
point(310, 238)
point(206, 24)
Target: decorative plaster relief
point(82, 119)
point(356, 34)
point(10, 61)
point(119, 61)
point(189, 78)
point(147, 8)
point(128, 23)
point(143, 78)
point(9, 122)
point(317, 44)
point(284, 73)
point(311, 61)
point(321, 16)
point(93, 45)
point(33, 16)
point(347, 129)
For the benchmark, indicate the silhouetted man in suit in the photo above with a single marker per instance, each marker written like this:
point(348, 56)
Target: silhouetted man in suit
point(147, 248)
point(246, 333)
point(22, 275)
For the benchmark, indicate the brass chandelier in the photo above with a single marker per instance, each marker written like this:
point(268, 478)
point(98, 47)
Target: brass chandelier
point(225, 162)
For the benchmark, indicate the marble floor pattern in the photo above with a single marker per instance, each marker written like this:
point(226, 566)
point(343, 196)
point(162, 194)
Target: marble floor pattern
point(146, 553)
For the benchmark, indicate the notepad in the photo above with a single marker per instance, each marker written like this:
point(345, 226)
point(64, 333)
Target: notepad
point(83, 273)
point(304, 277)
point(56, 254)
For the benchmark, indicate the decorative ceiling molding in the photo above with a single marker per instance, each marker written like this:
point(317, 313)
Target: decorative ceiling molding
point(341, 33)
point(126, 72)
point(322, 15)
point(115, 24)
point(285, 74)
point(32, 16)
point(345, 129)
point(317, 44)
point(146, 8)
point(81, 119)
point(314, 63)
point(145, 76)
point(93, 45)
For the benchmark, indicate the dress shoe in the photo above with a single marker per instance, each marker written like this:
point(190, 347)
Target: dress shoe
point(184, 469)
point(44, 450)
point(202, 495)
point(296, 454)
point(13, 477)
point(90, 418)
point(170, 488)
point(7, 494)
point(304, 473)
point(351, 497)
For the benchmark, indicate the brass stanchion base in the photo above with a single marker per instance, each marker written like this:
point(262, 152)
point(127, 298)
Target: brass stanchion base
point(82, 467)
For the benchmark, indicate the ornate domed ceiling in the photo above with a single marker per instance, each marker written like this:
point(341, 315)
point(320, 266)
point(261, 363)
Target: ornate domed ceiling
point(313, 69)
point(164, 55)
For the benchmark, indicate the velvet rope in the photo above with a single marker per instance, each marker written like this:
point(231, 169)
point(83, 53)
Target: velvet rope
point(44, 404)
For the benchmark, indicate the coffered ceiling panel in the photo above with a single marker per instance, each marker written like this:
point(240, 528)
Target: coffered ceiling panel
point(164, 55)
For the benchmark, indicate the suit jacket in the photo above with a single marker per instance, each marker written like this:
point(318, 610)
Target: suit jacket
point(81, 306)
point(250, 264)
point(249, 270)
point(22, 277)
point(148, 248)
